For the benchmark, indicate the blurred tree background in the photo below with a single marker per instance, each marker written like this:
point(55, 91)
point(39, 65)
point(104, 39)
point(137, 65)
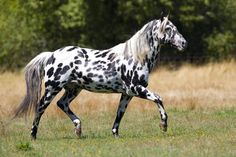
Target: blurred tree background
point(29, 27)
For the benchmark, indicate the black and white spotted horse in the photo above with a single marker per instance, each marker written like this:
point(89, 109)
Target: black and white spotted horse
point(124, 69)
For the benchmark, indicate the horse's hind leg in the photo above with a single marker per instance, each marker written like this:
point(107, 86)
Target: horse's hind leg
point(43, 104)
point(64, 102)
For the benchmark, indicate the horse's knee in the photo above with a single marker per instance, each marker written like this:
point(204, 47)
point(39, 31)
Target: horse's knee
point(158, 100)
point(60, 104)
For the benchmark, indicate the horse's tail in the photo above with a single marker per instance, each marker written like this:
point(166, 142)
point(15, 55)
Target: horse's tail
point(34, 72)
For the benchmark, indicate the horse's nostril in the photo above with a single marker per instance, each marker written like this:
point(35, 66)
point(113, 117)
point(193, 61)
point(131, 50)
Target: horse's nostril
point(184, 44)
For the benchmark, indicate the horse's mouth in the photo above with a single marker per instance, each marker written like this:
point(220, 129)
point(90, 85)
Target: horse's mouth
point(179, 48)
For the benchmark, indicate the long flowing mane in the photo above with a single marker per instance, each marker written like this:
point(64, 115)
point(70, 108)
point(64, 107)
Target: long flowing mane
point(138, 46)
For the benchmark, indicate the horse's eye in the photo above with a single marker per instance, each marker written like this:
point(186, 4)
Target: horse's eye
point(168, 30)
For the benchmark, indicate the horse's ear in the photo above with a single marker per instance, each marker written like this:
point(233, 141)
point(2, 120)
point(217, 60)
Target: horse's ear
point(162, 16)
point(163, 23)
point(168, 15)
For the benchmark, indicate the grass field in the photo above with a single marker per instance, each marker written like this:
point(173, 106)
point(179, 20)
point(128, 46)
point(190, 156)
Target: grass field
point(200, 102)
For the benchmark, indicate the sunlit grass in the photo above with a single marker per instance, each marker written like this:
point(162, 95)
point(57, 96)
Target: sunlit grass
point(190, 133)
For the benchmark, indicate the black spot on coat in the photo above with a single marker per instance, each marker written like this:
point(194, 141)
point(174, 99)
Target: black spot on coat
point(57, 78)
point(60, 65)
point(142, 81)
point(70, 49)
point(85, 52)
point(51, 60)
point(79, 74)
point(50, 72)
point(111, 57)
point(71, 64)
point(90, 75)
point(80, 54)
point(53, 84)
point(65, 69)
point(96, 53)
point(96, 62)
point(78, 62)
point(103, 54)
point(135, 79)
point(124, 77)
point(111, 66)
point(61, 48)
point(130, 61)
point(57, 72)
point(88, 70)
point(87, 80)
point(141, 93)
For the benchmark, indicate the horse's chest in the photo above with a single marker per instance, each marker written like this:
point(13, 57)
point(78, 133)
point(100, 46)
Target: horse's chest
point(134, 75)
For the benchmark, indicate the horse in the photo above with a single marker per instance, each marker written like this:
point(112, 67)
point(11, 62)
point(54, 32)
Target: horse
point(123, 69)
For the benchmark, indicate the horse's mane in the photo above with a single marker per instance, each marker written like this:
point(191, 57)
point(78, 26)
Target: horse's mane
point(137, 46)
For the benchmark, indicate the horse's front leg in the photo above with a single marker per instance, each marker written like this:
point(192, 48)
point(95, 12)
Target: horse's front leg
point(143, 92)
point(124, 101)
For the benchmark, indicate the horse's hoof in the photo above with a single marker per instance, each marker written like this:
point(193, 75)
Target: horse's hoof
point(33, 137)
point(78, 130)
point(116, 135)
point(163, 127)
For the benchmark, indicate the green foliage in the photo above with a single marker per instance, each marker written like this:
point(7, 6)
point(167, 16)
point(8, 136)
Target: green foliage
point(30, 27)
point(221, 45)
point(19, 37)
point(24, 146)
point(71, 14)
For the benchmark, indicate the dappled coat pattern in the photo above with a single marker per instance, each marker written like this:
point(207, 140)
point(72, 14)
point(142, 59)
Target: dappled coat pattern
point(124, 69)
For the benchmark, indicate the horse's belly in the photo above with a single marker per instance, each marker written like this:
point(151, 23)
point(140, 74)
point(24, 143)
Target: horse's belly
point(104, 88)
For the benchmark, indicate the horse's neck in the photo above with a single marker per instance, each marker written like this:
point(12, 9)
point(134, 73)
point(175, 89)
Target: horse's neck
point(148, 52)
point(153, 56)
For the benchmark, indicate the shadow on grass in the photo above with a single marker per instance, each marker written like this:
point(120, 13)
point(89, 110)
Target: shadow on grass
point(125, 135)
point(71, 137)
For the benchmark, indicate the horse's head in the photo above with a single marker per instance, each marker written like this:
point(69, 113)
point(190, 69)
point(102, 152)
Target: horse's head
point(167, 33)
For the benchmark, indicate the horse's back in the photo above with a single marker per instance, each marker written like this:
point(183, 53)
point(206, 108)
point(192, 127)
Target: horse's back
point(89, 69)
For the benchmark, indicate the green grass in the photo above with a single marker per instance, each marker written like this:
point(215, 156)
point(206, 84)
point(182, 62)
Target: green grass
point(209, 132)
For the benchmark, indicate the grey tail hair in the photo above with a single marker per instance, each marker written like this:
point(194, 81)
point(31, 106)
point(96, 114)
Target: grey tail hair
point(34, 72)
